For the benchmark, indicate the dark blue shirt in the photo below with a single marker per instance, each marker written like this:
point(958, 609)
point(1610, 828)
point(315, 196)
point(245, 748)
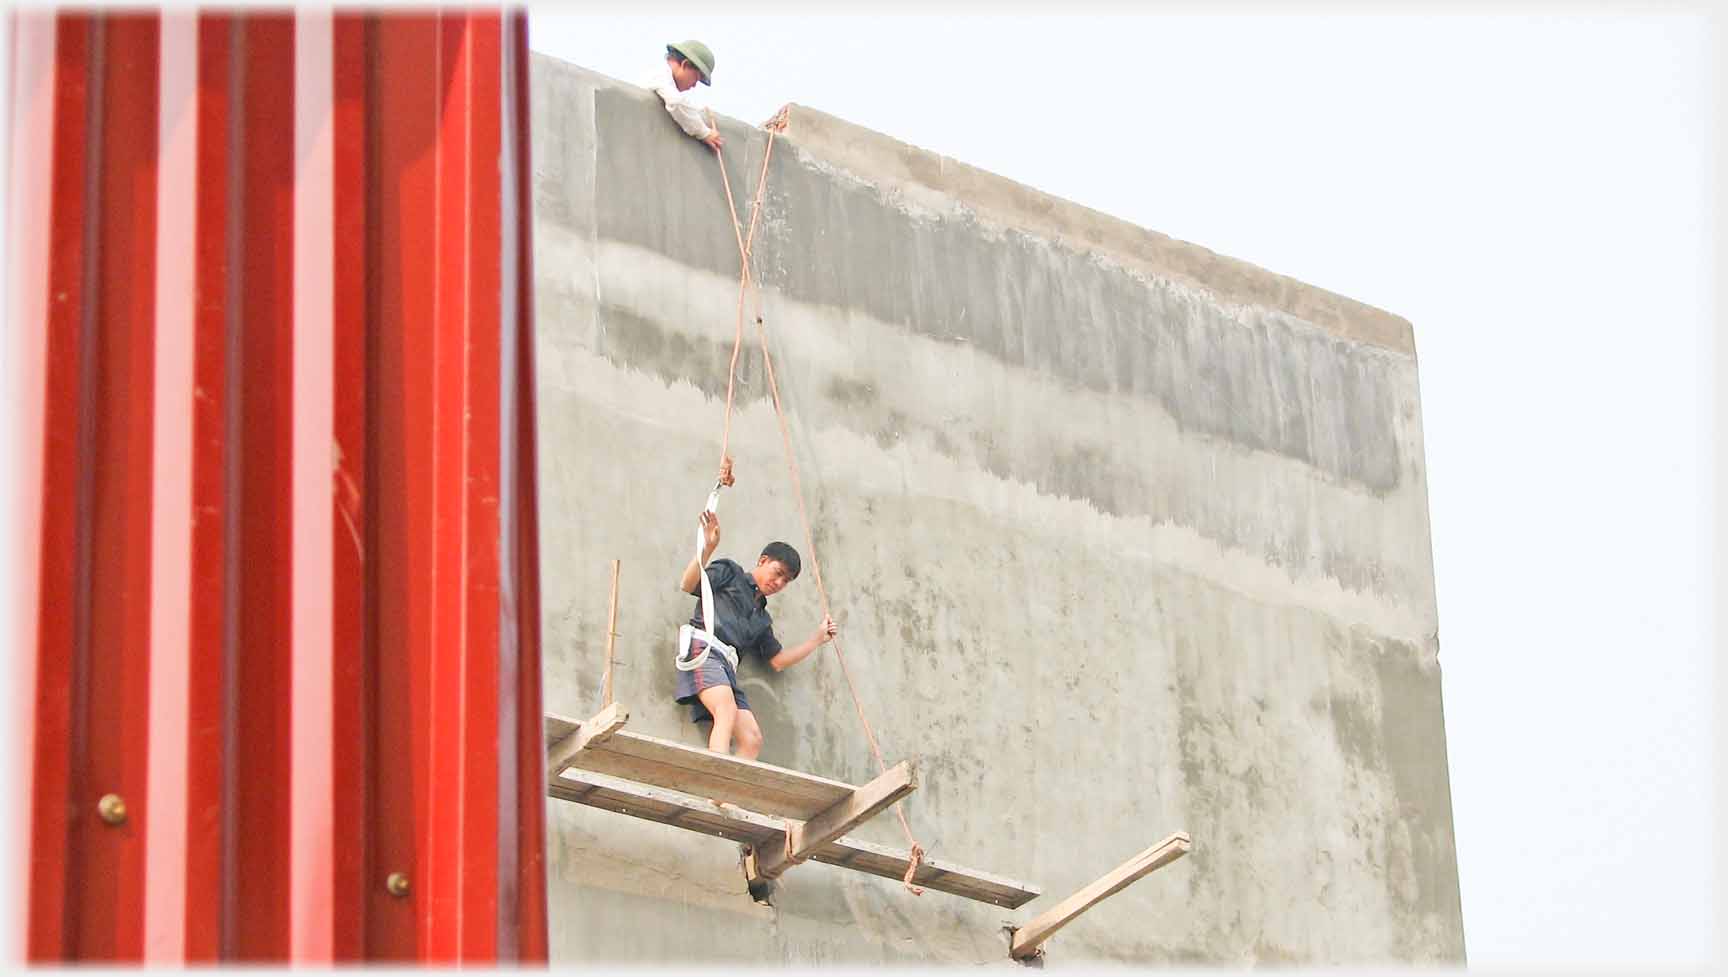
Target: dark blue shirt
point(745, 623)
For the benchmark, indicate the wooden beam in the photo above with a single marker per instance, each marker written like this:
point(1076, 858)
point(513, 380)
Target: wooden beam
point(668, 807)
point(933, 873)
point(864, 803)
point(1027, 939)
point(761, 787)
point(594, 732)
point(768, 833)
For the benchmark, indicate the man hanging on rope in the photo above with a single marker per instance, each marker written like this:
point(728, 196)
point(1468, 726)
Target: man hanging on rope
point(742, 620)
point(687, 62)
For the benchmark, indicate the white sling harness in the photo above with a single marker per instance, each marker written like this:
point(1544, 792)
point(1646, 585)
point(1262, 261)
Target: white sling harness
point(690, 632)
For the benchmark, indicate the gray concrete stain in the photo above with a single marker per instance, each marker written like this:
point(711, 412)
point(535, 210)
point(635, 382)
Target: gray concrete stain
point(1016, 298)
point(632, 342)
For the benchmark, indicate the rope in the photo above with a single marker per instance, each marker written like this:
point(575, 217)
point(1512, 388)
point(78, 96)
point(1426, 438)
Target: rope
point(688, 635)
point(738, 333)
point(745, 244)
point(917, 852)
point(746, 281)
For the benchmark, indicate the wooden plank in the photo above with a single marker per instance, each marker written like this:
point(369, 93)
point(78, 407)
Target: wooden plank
point(758, 786)
point(766, 833)
point(557, 727)
point(668, 807)
point(1029, 938)
point(933, 873)
point(651, 760)
point(700, 759)
point(589, 735)
point(863, 804)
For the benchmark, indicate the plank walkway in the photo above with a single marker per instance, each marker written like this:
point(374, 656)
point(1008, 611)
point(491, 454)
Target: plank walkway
point(602, 765)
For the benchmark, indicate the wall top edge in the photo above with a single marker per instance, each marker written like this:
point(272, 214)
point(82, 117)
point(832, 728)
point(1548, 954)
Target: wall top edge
point(889, 163)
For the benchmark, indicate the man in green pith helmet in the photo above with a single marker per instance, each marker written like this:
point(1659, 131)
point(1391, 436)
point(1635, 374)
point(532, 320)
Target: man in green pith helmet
point(687, 62)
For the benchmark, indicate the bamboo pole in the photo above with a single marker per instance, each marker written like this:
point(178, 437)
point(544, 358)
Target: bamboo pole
point(611, 639)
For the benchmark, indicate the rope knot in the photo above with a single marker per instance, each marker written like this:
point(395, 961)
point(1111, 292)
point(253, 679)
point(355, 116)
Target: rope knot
point(778, 123)
point(912, 863)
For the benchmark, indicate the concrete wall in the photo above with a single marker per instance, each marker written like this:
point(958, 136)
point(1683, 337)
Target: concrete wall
point(1124, 537)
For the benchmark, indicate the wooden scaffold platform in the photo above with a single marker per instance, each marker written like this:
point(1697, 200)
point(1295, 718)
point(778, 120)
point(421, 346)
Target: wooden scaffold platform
point(785, 816)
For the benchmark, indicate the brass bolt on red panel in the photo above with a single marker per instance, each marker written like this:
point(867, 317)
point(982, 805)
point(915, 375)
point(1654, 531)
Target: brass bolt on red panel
point(112, 809)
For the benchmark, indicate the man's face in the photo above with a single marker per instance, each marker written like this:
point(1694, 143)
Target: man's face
point(771, 576)
point(684, 74)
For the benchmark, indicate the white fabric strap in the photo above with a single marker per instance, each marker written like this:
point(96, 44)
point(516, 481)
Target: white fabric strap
point(688, 632)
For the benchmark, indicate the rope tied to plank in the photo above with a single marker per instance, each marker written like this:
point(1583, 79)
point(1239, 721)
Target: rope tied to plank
point(747, 283)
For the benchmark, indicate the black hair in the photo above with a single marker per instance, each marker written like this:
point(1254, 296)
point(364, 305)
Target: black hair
point(672, 52)
point(784, 553)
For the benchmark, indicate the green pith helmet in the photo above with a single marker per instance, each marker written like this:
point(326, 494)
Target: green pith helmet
point(697, 54)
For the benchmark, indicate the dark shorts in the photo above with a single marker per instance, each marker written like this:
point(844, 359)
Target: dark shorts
point(715, 671)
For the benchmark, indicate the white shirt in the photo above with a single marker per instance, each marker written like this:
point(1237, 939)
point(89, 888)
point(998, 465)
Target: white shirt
point(679, 104)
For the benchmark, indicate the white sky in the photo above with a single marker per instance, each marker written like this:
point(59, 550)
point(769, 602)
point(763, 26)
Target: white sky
point(1537, 193)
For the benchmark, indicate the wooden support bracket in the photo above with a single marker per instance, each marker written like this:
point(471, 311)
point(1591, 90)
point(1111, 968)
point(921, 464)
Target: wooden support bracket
point(766, 833)
point(804, 839)
point(1027, 941)
point(591, 733)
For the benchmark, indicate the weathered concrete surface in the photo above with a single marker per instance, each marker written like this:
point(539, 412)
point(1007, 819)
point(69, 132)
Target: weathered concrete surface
point(1125, 537)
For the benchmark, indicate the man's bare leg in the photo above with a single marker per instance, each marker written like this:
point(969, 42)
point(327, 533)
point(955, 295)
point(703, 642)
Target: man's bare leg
point(719, 702)
point(748, 734)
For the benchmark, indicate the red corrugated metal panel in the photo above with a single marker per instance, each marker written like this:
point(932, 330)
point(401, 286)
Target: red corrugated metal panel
point(352, 232)
point(215, 309)
point(64, 349)
point(469, 201)
point(402, 579)
point(523, 916)
point(259, 774)
point(109, 734)
point(284, 391)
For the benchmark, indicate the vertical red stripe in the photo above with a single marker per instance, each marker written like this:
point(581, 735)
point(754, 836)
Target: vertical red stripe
point(111, 681)
point(469, 238)
point(206, 903)
point(260, 768)
point(447, 364)
point(50, 815)
point(402, 575)
point(350, 524)
point(519, 460)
